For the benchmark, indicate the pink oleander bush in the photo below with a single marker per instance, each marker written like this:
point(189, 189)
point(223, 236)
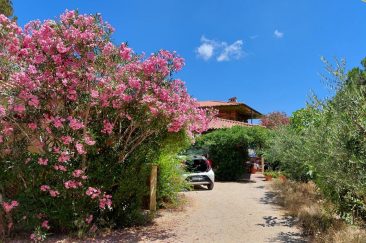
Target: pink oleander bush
point(74, 110)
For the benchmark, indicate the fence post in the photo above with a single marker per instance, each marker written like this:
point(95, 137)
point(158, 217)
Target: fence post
point(262, 163)
point(153, 184)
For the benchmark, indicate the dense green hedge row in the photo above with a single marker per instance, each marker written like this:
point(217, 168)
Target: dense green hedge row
point(228, 149)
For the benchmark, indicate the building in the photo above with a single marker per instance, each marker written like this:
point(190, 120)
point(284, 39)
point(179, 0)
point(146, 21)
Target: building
point(230, 113)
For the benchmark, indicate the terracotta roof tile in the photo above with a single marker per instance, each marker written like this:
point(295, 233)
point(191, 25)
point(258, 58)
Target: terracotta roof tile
point(217, 103)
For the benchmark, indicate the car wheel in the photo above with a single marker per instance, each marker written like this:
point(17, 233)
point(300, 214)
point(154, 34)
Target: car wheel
point(210, 186)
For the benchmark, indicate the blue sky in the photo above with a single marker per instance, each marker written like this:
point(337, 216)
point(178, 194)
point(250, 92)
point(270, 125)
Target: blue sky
point(265, 52)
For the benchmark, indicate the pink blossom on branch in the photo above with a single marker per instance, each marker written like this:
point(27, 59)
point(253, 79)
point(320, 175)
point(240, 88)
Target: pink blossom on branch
point(67, 100)
point(45, 225)
point(80, 148)
point(9, 206)
point(72, 184)
point(45, 188)
point(107, 127)
point(42, 161)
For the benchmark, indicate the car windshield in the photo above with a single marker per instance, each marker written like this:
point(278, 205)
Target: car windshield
point(196, 165)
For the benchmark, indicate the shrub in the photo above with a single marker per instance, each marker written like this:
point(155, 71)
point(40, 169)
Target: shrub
point(77, 114)
point(326, 142)
point(228, 149)
point(170, 180)
point(273, 174)
point(285, 149)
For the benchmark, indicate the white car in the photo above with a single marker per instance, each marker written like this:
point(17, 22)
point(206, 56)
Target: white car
point(199, 172)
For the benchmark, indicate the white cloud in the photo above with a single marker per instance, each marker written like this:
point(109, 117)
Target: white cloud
point(205, 51)
point(221, 50)
point(231, 51)
point(278, 34)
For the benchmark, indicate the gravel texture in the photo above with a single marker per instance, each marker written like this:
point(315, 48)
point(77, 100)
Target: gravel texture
point(231, 212)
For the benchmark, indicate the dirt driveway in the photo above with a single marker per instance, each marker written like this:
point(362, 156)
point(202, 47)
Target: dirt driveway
point(231, 212)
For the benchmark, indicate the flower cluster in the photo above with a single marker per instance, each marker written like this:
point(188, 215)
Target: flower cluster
point(46, 188)
point(105, 200)
point(68, 95)
point(8, 207)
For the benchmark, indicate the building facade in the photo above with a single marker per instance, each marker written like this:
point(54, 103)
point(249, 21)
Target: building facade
point(230, 113)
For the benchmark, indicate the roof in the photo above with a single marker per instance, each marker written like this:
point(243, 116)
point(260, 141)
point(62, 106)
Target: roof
point(209, 103)
point(218, 123)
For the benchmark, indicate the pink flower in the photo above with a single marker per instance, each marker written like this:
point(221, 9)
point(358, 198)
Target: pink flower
point(2, 111)
point(107, 127)
point(1, 139)
point(105, 201)
point(42, 161)
point(80, 148)
point(64, 157)
point(39, 58)
point(75, 124)
point(61, 48)
point(134, 83)
point(88, 140)
point(57, 59)
point(94, 94)
point(45, 225)
point(57, 122)
point(60, 167)
point(93, 192)
point(66, 140)
point(9, 206)
point(56, 150)
point(72, 94)
point(45, 188)
point(8, 129)
point(89, 219)
point(34, 101)
point(54, 193)
point(108, 48)
point(77, 173)
point(19, 109)
point(125, 52)
point(72, 184)
point(32, 126)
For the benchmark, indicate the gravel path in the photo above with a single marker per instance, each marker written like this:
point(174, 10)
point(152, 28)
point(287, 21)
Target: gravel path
point(231, 212)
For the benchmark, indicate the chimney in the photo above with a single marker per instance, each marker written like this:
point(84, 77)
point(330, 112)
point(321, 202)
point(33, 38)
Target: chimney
point(233, 100)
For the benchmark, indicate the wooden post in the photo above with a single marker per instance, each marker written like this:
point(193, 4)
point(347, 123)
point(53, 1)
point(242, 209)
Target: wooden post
point(262, 163)
point(153, 184)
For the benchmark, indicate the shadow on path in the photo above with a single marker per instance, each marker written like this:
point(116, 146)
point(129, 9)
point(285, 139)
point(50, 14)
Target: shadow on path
point(271, 221)
point(269, 198)
point(138, 234)
point(289, 237)
point(286, 221)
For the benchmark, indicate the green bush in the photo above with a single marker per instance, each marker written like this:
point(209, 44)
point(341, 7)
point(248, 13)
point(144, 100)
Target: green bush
point(170, 180)
point(228, 149)
point(286, 148)
point(326, 142)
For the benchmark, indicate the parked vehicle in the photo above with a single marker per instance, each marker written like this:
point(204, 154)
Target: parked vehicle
point(199, 172)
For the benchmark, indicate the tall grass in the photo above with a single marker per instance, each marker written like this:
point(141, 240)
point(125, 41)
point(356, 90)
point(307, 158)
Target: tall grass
point(316, 217)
